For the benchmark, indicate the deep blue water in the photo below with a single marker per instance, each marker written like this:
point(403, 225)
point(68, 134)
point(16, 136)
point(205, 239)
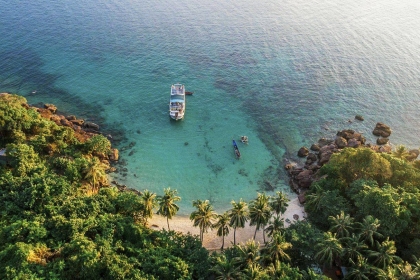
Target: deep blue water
point(284, 73)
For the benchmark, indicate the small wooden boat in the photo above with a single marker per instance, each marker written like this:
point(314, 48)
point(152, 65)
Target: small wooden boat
point(236, 150)
point(189, 93)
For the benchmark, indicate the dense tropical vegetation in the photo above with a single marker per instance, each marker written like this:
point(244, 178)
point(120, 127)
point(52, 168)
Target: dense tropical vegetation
point(61, 219)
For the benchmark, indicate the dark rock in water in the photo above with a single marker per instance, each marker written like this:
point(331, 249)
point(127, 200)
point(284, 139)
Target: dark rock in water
point(382, 141)
point(303, 152)
point(315, 147)
point(359, 118)
point(132, 144)
point(382, 130)
point(324, 141)
point(138, 131)
point(185, 143)
point(91, 125)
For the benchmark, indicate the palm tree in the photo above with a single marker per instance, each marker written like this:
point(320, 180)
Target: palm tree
point(341, 224)
point(95, 173)
point(279, 203)
point(362, 270)
point(407, 271)
point(277, 248)
point(369, 230)
point(203, 217)
point(259, 213)
point(149, 203)
point(328, 249)
point(353, 248)
point(238, 216)
point(314, 199)
point(167, 206)
point(275, 226)
point(384, 255)
point(222, 226)
point(225, 269)
point(400, 152)
point(249, 253)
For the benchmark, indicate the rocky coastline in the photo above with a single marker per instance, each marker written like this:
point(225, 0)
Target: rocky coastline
point(301, 176)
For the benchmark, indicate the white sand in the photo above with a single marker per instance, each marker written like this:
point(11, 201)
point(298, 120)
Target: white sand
point(211, 240)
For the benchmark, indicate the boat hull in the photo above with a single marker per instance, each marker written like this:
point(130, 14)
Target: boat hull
point(177, 103)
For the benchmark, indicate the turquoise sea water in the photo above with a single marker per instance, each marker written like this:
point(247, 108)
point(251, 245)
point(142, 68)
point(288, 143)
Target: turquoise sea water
point(284, 73)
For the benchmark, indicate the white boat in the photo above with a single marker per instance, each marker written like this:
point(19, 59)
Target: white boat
point(177, 102)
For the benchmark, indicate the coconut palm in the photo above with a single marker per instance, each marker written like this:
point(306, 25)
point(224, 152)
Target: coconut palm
point(167, 204)
point(328, 249)
point(203, 217)
point(407, 271)
point(353, 248)
point(362, 270)
point(341, 224)
point(149, 203)
point(259, 213)
point(222, 226)
point(275, 226)
point(277, 247)
point(225, 269)
point(249, 253)
point(279, 203)
point(253, 272)
point(238, 216)
point(95, 173)
point(384, 255)
point(314, 199)
point(400, 152)
point(369, 230)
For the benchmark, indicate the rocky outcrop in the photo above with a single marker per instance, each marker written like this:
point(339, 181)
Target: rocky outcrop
point(51, 107)
point(301, 177)
point(303, 152)
point(382, 130)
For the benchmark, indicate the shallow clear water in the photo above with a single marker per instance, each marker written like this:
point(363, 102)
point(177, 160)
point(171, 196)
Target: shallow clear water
point(284, 73)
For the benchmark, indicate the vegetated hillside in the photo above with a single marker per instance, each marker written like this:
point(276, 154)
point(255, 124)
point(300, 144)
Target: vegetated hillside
point(60, 221)
point(59, 218)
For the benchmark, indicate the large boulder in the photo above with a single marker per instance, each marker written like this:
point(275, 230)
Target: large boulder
point(412, 155)
point(303, 152)
point(304, 178)
point(315, 147)
point(359, 118)
point(382, 141)
point(353, 143)
point(91, 125)
point(51, 107)
point(341, 142)
point(113, 155)
point(382, 130)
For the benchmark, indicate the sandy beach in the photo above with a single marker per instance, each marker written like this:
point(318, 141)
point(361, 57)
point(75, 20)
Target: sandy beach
point(211, 240)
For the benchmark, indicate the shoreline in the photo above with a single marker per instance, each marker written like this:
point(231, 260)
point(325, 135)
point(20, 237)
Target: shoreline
point(211, 241)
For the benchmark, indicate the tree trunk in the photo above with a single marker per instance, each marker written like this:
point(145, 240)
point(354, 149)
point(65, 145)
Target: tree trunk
point(223, 241)
point(263, 235)
point(167, 221)
point(255, 233)
point(234, 236)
